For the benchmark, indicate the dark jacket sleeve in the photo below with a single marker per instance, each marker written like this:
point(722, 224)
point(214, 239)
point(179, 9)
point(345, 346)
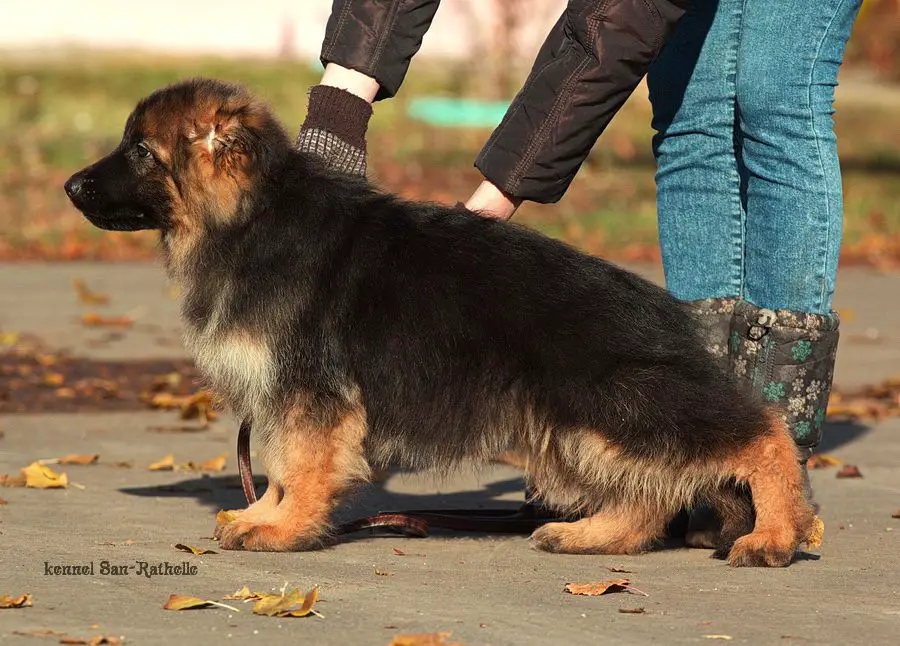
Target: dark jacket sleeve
point(589, 65)
point(377, 37)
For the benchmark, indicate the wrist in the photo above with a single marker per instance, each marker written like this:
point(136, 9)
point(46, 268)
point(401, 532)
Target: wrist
point(490, 201)
point(351, 81)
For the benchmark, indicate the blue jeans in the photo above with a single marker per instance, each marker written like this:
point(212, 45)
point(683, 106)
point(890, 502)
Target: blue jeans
point(748, 180)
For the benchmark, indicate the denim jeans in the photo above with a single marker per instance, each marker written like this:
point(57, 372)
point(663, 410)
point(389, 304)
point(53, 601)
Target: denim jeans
point(748, 179)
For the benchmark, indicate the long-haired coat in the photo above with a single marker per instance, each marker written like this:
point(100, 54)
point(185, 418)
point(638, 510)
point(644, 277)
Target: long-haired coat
point(357, 329)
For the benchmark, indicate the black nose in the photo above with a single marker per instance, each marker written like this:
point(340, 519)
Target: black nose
point(74, 185)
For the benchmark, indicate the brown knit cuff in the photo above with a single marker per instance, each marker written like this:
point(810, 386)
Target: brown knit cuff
point(339, 112)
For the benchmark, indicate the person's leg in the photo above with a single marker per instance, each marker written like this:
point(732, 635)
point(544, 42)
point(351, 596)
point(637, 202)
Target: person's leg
point(700, 211)
point(692, 90)
point(786, 333)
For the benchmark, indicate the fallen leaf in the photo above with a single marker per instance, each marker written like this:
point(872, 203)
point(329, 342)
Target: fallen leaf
point(123, 464)
point(179, 428)
point(725, 637)
point(179, 602)
point(849, 471)
point(39, 633)
point(166, 464)
point(896, 514)
point(814, 540)
point(282, 605)
point(632, 611)
point(214, 465)
point(88, 297)
point(12, 481)
point(424, 639)
point(595, 589)
point(196, 551)
point(92, 319)
point(399, 552)
point(225, 516)
point(24, 601)
point(53, 379)
point(383, 572)
point(822, 461)
point(244, 594)
point(73, 459)
point(4, 501)
point(66, 393)
point(9, 338)
point(99, 640)
point(619, 569)
point(39, 476)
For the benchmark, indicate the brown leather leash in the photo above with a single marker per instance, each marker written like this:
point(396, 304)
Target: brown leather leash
point(415, 523)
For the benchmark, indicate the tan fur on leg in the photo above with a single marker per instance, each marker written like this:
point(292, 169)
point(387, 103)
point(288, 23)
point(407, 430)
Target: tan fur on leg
point(311, 465)
point(619, 531)
point(784, 517)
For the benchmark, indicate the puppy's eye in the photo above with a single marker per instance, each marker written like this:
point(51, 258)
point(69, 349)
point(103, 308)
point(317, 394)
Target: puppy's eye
point(144, 151)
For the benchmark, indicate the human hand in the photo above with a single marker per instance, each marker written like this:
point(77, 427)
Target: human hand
point(491, 202)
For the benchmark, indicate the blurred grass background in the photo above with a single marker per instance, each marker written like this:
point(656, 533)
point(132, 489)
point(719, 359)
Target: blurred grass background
point(63, 110)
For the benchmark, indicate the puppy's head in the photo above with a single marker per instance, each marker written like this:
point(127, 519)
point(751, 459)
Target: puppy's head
point(191, 154)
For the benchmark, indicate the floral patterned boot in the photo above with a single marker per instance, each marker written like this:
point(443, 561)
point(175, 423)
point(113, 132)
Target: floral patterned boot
point(787, 359)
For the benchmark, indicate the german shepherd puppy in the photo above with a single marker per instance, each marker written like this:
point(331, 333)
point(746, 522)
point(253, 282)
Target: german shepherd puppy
point(355, 328)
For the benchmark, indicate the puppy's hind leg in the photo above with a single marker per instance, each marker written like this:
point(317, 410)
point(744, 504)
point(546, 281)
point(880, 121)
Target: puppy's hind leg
point(784, 517)
point(309, 465)
point(624, 529)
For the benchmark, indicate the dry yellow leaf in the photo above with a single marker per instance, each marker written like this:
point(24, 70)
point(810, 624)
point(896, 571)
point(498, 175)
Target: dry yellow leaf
point(283, 605)
point(596, 588)
point(814, 540)
point(53, 379)
point(86, 296)
point(244, 594)
point(166, 464)
point(23, 601)
point(225, 516)
point(82, 459)
point(197, 551)
point(92, 319)
point(424, 639)
point(180, 602)
point(40, 476)
point(724, 637)
point(211, 466)
point(9, 338)
point(99, 640)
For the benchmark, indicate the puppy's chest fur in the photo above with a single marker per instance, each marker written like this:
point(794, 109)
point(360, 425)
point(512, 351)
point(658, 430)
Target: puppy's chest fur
point(237, 361)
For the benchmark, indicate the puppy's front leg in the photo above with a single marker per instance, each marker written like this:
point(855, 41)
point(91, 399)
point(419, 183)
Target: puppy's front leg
point(309, 465)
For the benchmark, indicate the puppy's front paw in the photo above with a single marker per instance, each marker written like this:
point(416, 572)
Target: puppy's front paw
point(553, 537)
point(267, 537)
point(761, 550)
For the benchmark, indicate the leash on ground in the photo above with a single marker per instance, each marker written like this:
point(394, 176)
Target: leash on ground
point(415, 523)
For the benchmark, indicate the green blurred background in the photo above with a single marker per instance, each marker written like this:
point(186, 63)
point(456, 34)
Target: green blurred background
point(61, 108)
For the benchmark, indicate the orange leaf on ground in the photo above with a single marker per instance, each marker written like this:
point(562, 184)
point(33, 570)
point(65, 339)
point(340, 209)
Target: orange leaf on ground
point(4, 501)
point(196, 551)
point(166, 464)
point(23, 601)
point(92, 319)
point(244, 594)
point(81, 459)
point(896, 514)
point(99, 640)
point(849, 471)
point(180, 602)
point(39, 476)
point(225, 516)
point(86, 296)
point(632, 611)
point(211, 466)
point(814, 540)
point(284, 605)
point(596, 588)
point(822, 461)
point(424, 639)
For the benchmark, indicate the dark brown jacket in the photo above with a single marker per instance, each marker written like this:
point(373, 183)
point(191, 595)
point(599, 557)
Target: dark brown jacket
point(590, 63)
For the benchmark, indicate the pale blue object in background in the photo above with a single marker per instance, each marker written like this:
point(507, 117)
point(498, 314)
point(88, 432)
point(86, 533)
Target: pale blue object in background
point(457, 113)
